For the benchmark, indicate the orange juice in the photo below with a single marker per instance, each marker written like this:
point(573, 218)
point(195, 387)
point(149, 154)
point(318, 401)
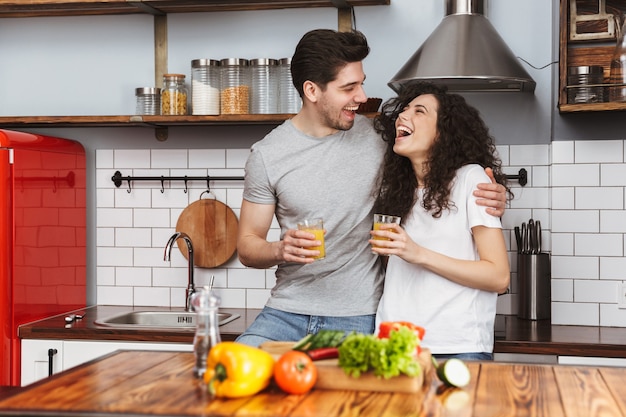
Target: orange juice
point(315, 226)
point(319, 235)
point(377, 227)
point(381, 219)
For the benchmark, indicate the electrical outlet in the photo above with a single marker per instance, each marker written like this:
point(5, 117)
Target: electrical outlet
point(621, 295)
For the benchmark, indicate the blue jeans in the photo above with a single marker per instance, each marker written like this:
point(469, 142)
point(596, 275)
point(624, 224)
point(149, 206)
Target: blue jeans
point(277, 325)
point(470, 356)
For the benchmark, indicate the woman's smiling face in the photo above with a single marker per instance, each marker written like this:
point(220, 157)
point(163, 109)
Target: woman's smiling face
point(416, 128)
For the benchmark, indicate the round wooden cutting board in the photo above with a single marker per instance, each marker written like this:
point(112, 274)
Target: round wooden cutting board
point(212, 227)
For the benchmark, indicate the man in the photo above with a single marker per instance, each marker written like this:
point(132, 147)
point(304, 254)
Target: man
point(323, 163)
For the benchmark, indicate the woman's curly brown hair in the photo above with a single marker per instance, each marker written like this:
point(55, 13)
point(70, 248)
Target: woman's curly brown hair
point(463, 138)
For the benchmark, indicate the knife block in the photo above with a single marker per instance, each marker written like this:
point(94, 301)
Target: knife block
point(535, 295)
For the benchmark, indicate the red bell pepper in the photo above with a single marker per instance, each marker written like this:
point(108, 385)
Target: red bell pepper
point(386, 327)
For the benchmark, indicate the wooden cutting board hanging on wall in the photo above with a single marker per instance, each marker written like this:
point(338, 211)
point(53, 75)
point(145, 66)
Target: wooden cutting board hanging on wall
point(212, 227)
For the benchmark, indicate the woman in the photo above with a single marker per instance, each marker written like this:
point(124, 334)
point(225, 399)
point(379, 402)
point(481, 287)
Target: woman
point(450, 258)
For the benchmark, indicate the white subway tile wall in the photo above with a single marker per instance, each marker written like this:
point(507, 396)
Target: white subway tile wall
point(133, 228)
point(576, 190)
point(588, 229)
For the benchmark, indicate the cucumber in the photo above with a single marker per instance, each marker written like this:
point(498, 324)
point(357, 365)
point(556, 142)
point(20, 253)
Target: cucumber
point(454, 373)
point(323, 338)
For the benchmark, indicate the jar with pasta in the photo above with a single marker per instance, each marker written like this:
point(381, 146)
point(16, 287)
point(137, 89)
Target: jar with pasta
point(235, 86)
point(174, 95)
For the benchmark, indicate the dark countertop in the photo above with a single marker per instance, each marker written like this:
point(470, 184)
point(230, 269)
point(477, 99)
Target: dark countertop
point(513, 335)
point(86, 328)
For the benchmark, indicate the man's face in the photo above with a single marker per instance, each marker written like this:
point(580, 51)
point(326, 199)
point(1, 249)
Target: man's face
point(338, 104)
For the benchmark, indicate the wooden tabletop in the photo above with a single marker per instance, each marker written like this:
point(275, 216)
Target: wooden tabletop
point(161, 383)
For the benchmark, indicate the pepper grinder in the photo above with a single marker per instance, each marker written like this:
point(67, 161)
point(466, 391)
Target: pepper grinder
point(206, 304)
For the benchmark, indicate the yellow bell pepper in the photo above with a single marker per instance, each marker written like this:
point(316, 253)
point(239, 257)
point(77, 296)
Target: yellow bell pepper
point(237, 370)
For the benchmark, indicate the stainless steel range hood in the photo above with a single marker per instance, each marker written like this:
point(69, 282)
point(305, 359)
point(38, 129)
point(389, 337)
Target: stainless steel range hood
point(466, 54)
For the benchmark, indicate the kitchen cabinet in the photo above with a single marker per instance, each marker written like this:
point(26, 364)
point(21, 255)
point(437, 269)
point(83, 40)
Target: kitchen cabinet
point(159, 9)
point(36, 359)
point(587, 31)
point(525, 358)
point(592, 361)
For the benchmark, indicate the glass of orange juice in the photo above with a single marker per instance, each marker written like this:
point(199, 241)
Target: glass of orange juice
point(380, 219)
point(315, 226)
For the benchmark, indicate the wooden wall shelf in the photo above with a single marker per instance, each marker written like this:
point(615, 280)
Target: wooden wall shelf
point(585, 52)
point(147, 121)
point(35, 8)
point(159, 9)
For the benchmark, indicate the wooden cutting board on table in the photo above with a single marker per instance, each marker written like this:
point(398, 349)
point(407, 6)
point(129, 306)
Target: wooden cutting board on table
point(331, 377)
point(212, 227)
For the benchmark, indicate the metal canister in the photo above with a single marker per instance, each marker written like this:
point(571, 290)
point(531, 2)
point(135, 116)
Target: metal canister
point(235, 86)
point(148, 100)
point(205, 87)
point(264, 86)
point(289, 99)
point(584, 84)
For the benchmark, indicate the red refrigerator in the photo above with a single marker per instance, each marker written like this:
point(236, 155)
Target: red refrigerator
point(42, 236)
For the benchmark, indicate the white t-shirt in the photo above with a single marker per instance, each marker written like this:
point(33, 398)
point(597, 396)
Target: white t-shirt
point(457, 318)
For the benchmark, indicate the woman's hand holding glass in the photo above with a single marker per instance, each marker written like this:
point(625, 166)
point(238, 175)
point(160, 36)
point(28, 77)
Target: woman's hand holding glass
point(391, 239)
point(383, 231)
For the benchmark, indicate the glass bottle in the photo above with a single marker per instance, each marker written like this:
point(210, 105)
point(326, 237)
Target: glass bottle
point(290, 101)
point(206, 304)
point(264, 86)
point(235, 86)
point(148, 100)
point(205, 87)
point(174, 95)
point(618, 66)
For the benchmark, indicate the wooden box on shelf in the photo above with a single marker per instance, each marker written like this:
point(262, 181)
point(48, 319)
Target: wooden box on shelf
point(590, 49)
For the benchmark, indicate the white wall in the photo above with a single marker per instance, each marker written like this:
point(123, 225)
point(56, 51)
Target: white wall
point(90, 65)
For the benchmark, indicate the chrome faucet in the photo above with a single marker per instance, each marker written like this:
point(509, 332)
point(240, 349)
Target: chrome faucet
point(191, 288)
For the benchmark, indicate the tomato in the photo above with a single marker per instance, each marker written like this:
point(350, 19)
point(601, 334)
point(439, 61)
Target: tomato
point(387, 326)
point(295, 372)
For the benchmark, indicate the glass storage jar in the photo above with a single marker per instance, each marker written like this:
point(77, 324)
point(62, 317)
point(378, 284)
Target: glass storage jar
point(289, 99)
point(235, 86)
point(584, 84)
point(205, 87)
point(264, 86)
point(174, 95)
point(617, 77)
point(148, 100)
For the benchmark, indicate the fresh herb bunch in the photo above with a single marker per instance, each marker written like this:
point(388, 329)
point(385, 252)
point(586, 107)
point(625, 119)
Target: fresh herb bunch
point(386, 358)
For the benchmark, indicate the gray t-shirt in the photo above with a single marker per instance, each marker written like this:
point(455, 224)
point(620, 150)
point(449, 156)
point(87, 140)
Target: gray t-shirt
point(334, 178)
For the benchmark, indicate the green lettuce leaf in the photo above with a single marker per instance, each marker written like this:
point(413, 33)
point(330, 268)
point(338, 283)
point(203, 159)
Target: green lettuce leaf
point(386, 358)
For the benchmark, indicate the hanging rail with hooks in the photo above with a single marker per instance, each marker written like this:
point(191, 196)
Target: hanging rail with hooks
point(118, 179)
point(522, 177)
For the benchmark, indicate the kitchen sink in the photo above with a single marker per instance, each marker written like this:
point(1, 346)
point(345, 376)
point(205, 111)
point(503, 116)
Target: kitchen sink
point(159, 320)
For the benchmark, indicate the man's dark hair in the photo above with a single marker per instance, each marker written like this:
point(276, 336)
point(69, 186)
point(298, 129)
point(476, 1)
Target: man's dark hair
point(322, 53)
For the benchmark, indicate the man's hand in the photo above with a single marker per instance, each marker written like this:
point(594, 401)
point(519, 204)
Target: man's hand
point(491, 195)
point(295, 246)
